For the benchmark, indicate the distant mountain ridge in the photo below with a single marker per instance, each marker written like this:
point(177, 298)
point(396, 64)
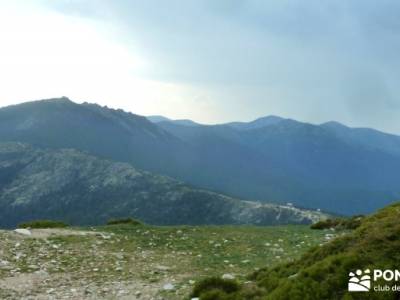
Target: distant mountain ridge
point(78, 188)
point(159, 119)
point(258, 123)
point(367, 137)
point(328, 166)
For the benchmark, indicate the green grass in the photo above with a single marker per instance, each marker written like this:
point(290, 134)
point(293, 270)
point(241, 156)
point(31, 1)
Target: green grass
point(222, 249)
point(182, 255)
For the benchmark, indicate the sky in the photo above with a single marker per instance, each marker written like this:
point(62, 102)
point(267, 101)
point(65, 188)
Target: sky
point(206, 60)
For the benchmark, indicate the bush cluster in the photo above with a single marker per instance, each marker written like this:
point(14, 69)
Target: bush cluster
point(129, 221)
point(215, 288)
point(43, 224)
point(339, 223)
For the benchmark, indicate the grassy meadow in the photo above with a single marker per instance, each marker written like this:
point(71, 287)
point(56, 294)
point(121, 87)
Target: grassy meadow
point(145, 261)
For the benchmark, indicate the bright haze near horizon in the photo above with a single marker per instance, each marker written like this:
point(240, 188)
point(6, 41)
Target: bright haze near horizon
point(209, 61)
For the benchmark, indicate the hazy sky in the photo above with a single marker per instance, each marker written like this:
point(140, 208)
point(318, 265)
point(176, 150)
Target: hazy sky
point(208, 60)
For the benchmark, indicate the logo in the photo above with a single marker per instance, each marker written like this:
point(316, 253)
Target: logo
point(383, 281)
point(360, 281)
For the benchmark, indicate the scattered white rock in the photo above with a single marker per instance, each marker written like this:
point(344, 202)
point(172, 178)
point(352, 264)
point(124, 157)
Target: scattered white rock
point(228, 276)
point(163, 268)
point(5, 265)
point(23, 231)
point(4, 262)
point(168, 287)
point(41, 273)
point(33, 267)
point(329, 236)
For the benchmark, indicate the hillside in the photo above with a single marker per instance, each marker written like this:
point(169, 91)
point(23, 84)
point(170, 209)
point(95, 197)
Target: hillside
point(109, 133)
point(323, 272)
point(272, 159)
point(81, 189)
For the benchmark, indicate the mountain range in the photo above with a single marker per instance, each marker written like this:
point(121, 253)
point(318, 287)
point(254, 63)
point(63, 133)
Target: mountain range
point(272, 160)
point(329, 166)
point(81, 189)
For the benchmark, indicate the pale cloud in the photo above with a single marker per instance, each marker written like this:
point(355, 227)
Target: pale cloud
point(211, 61)
point(45, 54)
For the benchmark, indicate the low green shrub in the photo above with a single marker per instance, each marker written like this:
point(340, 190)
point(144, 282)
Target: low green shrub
point(214, 295)
point(129, 221)
point(353, 222)
point(339, 223)
point(43, 224)
point(215, 288)
point(325, 224)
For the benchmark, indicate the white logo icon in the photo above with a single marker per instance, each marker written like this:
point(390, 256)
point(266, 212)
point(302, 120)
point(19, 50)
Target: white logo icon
point(360, 281)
